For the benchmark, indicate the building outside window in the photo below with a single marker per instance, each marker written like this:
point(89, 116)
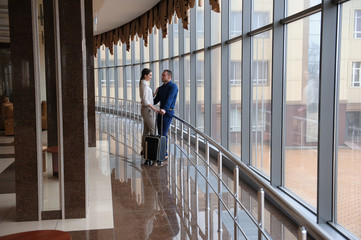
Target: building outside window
point(356, 74)
point(357, 27)
point(260, 73)
point(235, 73)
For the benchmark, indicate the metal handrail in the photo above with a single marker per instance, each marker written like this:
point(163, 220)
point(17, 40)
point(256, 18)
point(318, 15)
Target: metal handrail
point(313, 228)
point(305, 223)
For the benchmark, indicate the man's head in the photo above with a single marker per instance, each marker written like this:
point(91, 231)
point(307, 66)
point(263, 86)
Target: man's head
point(166, 76)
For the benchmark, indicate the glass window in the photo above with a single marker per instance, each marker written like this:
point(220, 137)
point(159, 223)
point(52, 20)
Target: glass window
point(96, 61)
point(165, 64)
point(111, 58)
point(128, 82)
point(261, 13)
point(200, 91)
point(146, 51)
point(165, 47)
point(120, 55)
point(216, 22)
point(235, 18)
point(261, 103)
point(156, 76)
point(137, 79)
point(200, 26)
point(357, 28)
point(301, 108)
point(128, 55)
point(348, 150)
point(216, 94)
point(120, 82)
point(111, 82)
point(96, 81)
point(187, 80)
point(155, 34)
point(187, 35)
point(176, 35)
point(293, 7)
point(102, 56)
point(176, 81)
point(260, 73)
point(235, 101)
point(103, 82)
point(136, 50)
point(356, 74)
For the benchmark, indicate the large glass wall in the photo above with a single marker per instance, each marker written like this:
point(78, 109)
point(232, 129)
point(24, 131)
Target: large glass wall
point(349, 120)
point(261, 101)
point(252, 64)
point(301, 109)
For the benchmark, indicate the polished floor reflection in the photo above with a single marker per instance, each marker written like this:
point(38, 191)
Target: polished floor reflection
point(153, 203)
point(128, 200)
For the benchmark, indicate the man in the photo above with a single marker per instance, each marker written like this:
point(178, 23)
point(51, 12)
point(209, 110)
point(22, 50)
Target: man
point(167, 96)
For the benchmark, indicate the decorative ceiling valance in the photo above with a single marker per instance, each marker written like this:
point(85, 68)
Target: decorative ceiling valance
point(160, 15)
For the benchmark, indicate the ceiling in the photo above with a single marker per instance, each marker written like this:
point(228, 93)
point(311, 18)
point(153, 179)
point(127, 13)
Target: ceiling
point(109, 13)
point(114, 13)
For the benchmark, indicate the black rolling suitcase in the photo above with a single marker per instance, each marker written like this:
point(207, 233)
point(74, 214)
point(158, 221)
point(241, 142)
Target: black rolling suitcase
point(155, 147)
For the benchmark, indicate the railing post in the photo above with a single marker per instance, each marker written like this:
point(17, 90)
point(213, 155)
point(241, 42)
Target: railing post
point(260, 213)
point(207, 191)
point(220, 229)
point(302, 233)
point(236, 193)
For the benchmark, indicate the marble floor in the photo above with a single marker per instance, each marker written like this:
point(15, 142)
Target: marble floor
point(128, 200)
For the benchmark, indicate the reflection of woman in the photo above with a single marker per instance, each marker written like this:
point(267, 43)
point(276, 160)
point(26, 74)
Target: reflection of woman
point(146, 96)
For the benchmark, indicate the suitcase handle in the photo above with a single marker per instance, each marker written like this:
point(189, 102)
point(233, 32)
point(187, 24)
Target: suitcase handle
point(156, 125)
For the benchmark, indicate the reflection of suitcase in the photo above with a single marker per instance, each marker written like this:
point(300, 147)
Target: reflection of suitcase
point(155, 147)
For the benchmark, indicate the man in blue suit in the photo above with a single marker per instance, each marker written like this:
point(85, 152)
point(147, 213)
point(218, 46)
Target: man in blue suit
point(167, 96)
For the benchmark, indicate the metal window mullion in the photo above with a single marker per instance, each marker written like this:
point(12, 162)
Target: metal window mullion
point(225, 74)
point(193, 63)
point(327, 95)
point(181, 71)
point(207, 69)
point(246, 127)
point(277, 94)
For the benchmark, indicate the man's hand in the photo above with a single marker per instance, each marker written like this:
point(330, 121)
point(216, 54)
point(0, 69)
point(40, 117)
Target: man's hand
point(162, 111)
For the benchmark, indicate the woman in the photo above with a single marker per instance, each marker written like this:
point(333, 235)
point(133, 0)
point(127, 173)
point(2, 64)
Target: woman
point(146, 97)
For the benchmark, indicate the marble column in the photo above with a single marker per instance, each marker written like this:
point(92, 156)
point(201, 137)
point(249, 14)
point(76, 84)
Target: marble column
point(73, 108)
point(90, 72)
point(25, 111)
point(50, 68)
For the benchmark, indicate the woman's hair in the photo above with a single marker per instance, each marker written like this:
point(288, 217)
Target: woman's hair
point(145, 71)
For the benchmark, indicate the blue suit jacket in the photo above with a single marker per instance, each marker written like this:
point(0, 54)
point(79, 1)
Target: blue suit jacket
point(167, 96)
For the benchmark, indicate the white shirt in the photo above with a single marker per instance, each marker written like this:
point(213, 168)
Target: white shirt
point(146, 94)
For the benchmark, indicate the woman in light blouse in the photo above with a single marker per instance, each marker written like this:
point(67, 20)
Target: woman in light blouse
point(146, 97)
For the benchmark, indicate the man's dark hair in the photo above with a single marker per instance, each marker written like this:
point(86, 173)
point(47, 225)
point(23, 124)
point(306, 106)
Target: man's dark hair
point(169, 72)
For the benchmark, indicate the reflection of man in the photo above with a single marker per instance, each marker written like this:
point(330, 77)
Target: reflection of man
point(167, 96)
point(310, 93)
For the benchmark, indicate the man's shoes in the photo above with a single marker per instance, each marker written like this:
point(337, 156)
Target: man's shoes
point(162, 163)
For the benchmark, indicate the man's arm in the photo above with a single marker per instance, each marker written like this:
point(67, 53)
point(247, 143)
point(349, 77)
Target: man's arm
point(156, 99)
point(171, 95)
